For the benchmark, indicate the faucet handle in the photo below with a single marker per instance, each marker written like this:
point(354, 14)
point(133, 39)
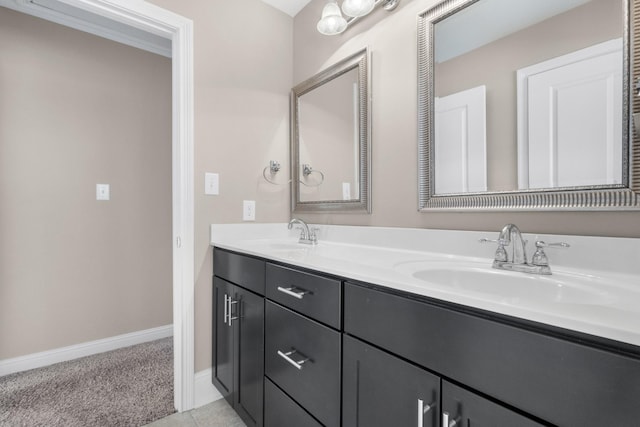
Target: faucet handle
point(313, 236)
point(500, 242)
point(501, 253)
point(303, 233)
point(540, 257)
point(541, 244)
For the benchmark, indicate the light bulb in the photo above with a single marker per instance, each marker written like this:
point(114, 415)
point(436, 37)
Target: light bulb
point(357, 8)
point(332, 21)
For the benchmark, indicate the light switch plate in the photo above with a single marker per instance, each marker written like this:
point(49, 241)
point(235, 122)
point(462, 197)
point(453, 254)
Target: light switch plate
point(346, 191)
point(102, 192)
point(248, 210)
point(211, 184)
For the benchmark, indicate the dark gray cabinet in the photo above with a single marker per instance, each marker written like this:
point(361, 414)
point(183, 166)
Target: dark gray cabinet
point(381, 390)
point(303, 358)
point(303, 344)
point(238, 349)
point(563, 382)
point(281, 411)
point(321, 352)
point(238, 339)
point(242, 270)
point(312, 295)
point(461, 407)
point(223, 344)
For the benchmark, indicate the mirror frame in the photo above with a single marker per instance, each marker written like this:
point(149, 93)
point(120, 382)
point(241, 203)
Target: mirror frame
point(625, 196)
point(360, 61)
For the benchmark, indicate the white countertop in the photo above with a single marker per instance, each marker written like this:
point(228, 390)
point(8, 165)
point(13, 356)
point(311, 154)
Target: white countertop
point(596, 282)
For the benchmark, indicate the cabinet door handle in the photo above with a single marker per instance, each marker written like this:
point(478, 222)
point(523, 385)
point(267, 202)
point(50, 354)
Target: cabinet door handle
point(292, 292)
point(231, 319)
point(296, 363)
point(422, 410)
point(226, 308)
point(446, 422)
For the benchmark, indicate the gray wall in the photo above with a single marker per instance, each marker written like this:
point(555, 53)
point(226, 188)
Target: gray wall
point(243, 74)
point(392, 38)
point(77, 110)
point(328, 139)
point(244, 70)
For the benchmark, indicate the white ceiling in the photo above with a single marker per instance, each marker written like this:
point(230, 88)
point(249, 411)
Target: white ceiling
point(290, 7)
point(490, 20)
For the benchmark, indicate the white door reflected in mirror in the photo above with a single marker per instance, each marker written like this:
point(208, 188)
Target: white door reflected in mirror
point(553, 75)
point(570, 119)
point(461, 142)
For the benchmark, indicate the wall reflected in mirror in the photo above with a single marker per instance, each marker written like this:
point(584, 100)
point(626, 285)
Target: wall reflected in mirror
point(528, 94)
point(330, 138)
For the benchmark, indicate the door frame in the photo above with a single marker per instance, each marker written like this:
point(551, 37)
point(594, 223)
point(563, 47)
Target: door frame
point(179, 30)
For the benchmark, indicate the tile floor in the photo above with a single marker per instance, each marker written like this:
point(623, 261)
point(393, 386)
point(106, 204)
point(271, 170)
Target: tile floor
point(216, 414)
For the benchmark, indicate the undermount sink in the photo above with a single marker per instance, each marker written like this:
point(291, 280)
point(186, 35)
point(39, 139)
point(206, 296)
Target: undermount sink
point(508, 287)
point(282, 246)
point(286, 249)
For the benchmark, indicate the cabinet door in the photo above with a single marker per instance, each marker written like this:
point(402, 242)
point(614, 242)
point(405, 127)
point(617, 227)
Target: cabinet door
point(382, 390)
point(248, 324)
point(222, 339)
point(565, 383)
point(461, 407)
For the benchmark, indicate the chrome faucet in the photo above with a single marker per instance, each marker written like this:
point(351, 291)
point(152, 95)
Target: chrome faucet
point(511, 236)
point(307, 236)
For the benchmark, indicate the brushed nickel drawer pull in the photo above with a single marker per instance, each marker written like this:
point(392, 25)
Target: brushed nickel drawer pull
point(297, 364)
point(423, 408)
point(226, 308)
point(294, 292)
point(231, 318)
point(446, 422)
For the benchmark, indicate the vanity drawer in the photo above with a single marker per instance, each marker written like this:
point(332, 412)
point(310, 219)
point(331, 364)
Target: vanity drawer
point(315, 296)
point(242, 270)
point(556, 380)
point(280, 410)
point(315, 383)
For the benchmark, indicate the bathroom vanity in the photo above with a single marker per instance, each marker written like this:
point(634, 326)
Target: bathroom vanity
point(301, 346)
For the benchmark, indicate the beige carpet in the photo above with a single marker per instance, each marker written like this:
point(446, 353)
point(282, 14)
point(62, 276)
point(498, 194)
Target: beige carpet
point(127, 387)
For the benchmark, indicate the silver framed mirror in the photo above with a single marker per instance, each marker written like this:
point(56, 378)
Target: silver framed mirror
point(515, 163)
point(330, 139)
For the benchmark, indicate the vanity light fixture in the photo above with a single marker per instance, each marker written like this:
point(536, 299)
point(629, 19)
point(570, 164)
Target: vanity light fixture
point(332, 21)
point(357, 8)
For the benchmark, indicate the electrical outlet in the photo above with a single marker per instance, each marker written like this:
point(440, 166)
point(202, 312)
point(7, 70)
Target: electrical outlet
point(346, 191)
point(102, 192)
point(211, 184)
point(248, 210)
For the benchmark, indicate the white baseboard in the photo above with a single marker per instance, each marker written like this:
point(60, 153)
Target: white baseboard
point(62, 354)
point(205, 392)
